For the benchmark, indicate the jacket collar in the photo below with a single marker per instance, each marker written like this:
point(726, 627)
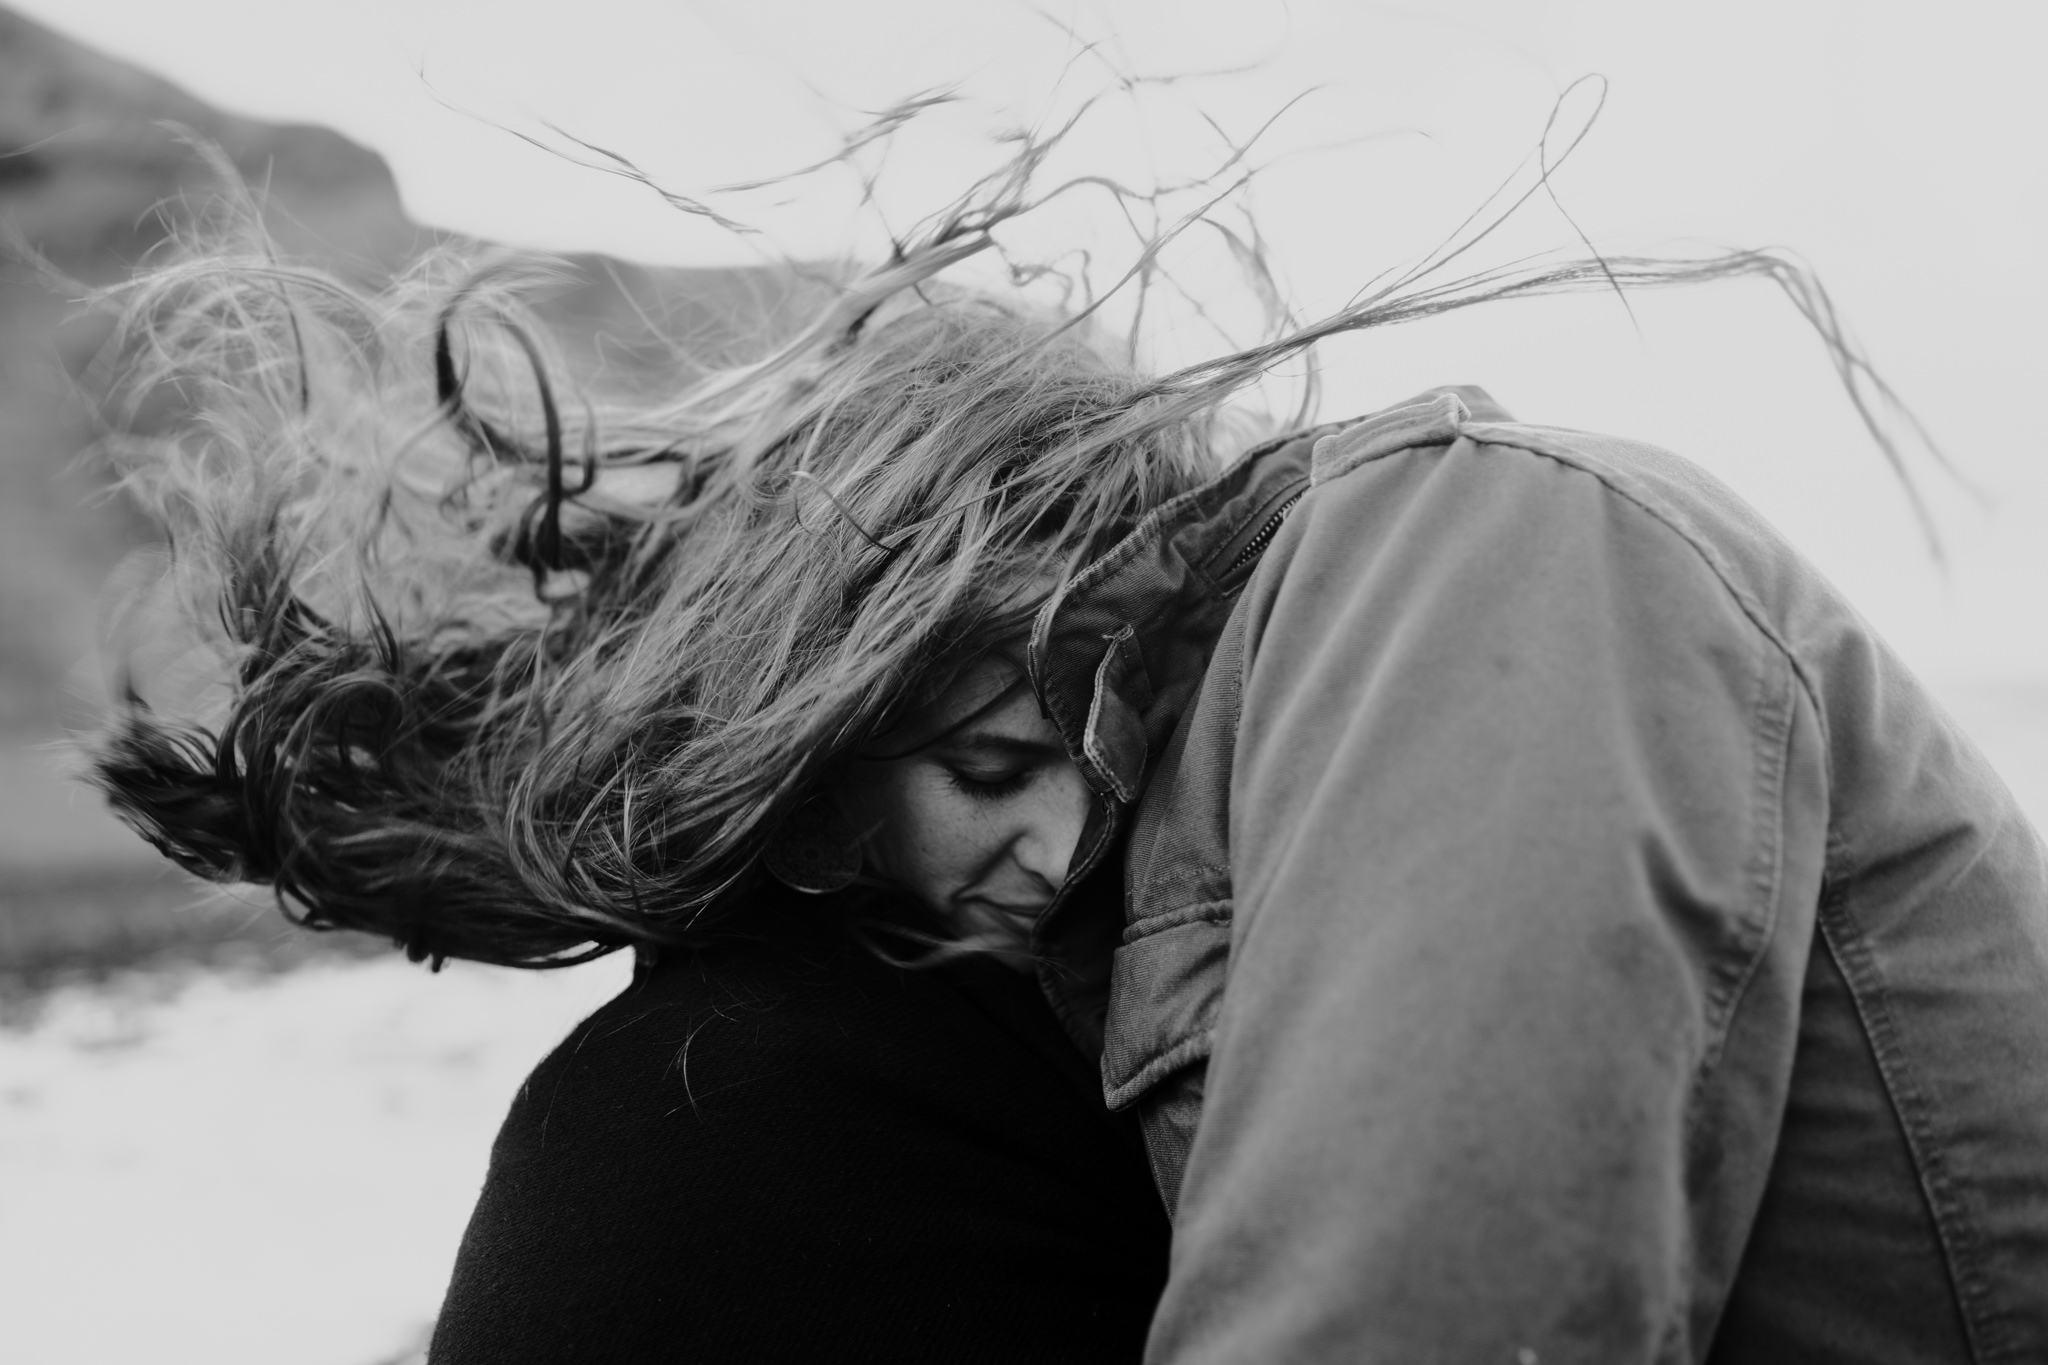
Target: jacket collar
point(1119, 651)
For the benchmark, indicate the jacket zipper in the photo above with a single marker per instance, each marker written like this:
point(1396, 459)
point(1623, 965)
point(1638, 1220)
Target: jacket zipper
point(1256, 546)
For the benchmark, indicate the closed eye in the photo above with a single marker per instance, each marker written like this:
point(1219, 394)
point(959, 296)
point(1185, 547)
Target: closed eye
point(985, 785)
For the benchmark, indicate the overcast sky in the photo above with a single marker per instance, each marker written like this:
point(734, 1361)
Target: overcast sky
point(1895, 145)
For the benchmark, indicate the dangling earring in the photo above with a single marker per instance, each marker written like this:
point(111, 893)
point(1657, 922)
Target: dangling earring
point(814, 852)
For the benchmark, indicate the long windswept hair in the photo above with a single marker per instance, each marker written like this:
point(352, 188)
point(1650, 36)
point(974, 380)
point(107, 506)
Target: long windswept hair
point(520, 680)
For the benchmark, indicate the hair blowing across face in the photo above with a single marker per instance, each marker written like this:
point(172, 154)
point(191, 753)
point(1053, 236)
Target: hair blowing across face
point(498, 709)
point(525, 688)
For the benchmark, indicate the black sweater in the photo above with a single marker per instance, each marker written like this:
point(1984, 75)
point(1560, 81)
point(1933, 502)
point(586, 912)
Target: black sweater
point(788, 1150)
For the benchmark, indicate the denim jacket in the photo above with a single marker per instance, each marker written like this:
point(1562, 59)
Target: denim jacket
point(1554, 926)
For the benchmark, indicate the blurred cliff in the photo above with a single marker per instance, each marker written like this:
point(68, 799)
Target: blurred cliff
point(97, 165)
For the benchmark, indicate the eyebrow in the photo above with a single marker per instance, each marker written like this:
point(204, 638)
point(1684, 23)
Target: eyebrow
point(1013, 745)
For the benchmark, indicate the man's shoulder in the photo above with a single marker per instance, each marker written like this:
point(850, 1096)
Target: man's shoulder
point(1664, 483)
point(1454, 454)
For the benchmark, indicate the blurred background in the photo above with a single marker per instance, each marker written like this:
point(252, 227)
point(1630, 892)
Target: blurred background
point(222, 1140)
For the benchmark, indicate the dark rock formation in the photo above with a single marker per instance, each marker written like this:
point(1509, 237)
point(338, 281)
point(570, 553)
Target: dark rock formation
point(98, 161)
point(96, 157)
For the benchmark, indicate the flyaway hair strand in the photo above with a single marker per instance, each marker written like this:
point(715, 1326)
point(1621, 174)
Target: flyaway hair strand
point(495, 707)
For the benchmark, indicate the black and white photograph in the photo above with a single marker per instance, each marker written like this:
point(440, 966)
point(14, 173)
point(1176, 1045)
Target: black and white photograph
point(1100, 681)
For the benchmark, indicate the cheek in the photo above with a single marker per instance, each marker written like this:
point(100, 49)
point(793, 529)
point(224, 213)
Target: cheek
point(919, 831)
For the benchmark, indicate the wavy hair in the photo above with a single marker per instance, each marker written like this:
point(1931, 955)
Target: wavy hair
point(524, 680)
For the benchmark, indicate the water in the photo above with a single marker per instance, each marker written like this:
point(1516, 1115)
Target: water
point(244, 1169)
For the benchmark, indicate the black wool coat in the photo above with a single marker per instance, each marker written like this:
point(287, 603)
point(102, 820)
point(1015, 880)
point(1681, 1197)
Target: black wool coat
point(789, 1150)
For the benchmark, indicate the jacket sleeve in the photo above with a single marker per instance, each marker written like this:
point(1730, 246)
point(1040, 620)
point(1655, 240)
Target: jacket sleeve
point(1503, 835)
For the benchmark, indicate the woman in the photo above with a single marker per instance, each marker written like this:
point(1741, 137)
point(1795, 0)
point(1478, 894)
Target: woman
point(1528, 914)
point(847, 1127)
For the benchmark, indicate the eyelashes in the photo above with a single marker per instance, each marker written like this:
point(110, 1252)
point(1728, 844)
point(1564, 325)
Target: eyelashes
point(980, 788)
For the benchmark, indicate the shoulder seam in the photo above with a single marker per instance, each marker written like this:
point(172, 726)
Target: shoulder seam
point(1751, 609)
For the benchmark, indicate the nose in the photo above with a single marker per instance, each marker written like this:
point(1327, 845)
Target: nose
point(1052, 826)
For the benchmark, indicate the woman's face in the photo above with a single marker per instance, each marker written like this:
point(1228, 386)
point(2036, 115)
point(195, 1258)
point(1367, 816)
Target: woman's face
point(971, 805)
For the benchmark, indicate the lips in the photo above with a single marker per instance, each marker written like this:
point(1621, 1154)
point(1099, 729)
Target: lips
point(1010, 922)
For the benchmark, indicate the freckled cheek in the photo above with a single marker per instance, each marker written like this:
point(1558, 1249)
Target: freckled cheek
point(951, 838)
point(921, 834)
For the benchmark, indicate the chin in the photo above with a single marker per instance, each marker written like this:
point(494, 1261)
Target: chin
point(1001, 925)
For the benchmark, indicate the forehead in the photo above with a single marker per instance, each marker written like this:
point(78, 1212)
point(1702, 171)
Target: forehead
point(991, 697)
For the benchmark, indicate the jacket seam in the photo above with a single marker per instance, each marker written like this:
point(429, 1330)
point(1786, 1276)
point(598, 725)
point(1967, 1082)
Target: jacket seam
point(1771, 754)
point(1188, 1046)
point(1771, 757)
point(1749, 606)
point(1194, 912)
point(1957, 1239)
